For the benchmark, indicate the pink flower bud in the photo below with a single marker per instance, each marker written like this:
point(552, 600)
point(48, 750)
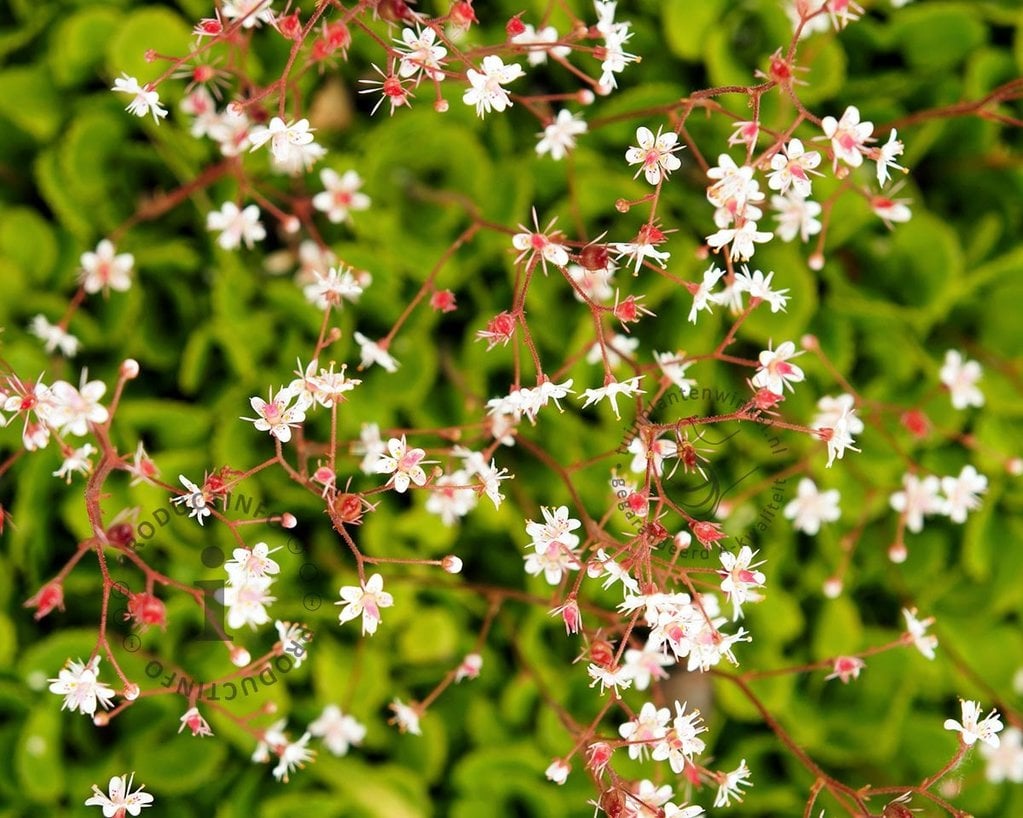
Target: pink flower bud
point(131, 692)
point(832, 588)
point(48, 597)
point(288, 520)
point(129, 368)
point(598, 755)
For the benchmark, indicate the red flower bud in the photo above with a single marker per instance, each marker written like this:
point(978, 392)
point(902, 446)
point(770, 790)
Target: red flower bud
point(48, 597)
point(514, 27)
point(145, 609)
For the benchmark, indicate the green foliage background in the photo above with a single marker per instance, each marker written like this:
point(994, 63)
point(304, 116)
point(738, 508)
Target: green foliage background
point(212, 328)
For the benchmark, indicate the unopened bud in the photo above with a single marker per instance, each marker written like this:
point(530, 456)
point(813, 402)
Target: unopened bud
point(240, 657)
point(816, 262)
point(288, 520)
point(585, 96)
point(898, 553)
point(130, 368)
point(833, 588)
point(441, 106)
point(451, 564)
point(101, 719)
point(131, 692)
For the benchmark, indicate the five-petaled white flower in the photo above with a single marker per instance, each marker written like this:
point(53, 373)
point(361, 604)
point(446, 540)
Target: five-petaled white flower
point(558, 137)
point(486, 91)
point(81, 688)
point(420, 56)
point(340, 195)
point(372, 352)
point(105, 269)
point(278, 415)
point(236, 225)
point(973, 728)
point(848, 136)
point(54, 336)
point(365, 599)
point(791, 167)
point(121, 800)
point(144, 99)
point(730, 785)
point(960, 377)
point(332, 288)
point(402, 464)
point(775, 372)
point(287, 139)
point(811, 507)
point(702, 298)
point(655, 154)
point(338, 730)
point(961, 493)
point(739, 578)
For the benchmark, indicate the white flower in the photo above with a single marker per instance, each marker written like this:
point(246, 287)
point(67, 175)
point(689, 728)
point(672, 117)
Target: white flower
point(370, 446)
point(658, 450)
point(739, 579)
point(558, 138)
point(791, 168)
point(81, 688)
point(403, 464)
point(848, 136)
point(734, 190)
point(451, 503)
point(543, 37)
point(105, 270)
point(420, 55)
point(330, 289)
point(293, 754)
point(611, 391)
point(644, 731)
point(552, 559)
point(646, 665)
point(917, 629)
point(759, 286)
point(918, 498)
point(246, 602)
point(406, 717)
point(144, 99)
point(558, 771)
point(293, 639)
point(973, 728)
point(891, 210)
point(121, 799)
point(236, 225)
point(250, 12)
point(681, 741)
point(556, 527)
point(961, 376)
point(491, 478)
point(231, 130)
point(251, 563)
point(702, 298)
point(812, 507)
point(886, 157)
point(674, 365)
point(486, 91)
point(76, 462)
point(962, 492)
point(618, 345)
point(655, 154)
point(74, 409)
point(730, 785)
point(284, 137)
point(365, 599)
point(613, 572)
point(340, 195)
point(775, 372)
point(532, 243)
point(796, 217)
point(614, 678)
point(743, 240)
point(54, 336)
point(644, 247)
point(830, 411)
point(338, 731)
point(1005, 762)
point(373, 353)
point(277, 415)
point(840, 436)
point(194, 499)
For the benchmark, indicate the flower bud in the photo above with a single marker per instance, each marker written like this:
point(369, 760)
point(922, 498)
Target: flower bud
point(514, 27)
point(832, 587)
point(101, 719)
point(451, 564)
point(131, 692)
point(288, 520)
point(441, 106)
point(558, 771)
point(597, 756)
point(129, 368)
point(48, 597)
point(897, 552)
point(239, 656)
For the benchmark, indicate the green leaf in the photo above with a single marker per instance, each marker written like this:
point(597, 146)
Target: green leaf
point(686, 25)
point(159, 29)
point(29, 100)
point(936, 36)
point(39, 757)
point(78, 44)
point(28, 240)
